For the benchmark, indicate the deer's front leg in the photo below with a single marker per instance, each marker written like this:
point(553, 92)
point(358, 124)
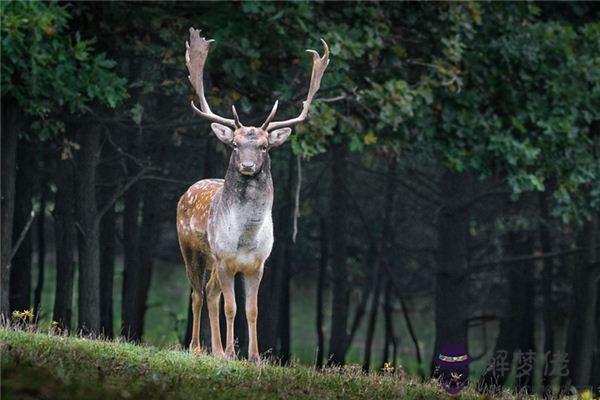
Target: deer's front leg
point(213, 299)
point(226, 279)
point(252, 282)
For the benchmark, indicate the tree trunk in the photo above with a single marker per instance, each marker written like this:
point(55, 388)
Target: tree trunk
point(149, 236)
point(413, 336)
point(381, 256)
point(547, 294)
point(596, 357)
point(107, 241)
point(526, 340)
point(582, 334)
point(286, 267)
point(452, 232)
point(89, 234)
point(20, 271)
point(10, 128)
point(340, 299)
point(64, 232)
point(240, 322)
point(320, 289)
point(372, 320)
point(390, 336)
point(515, 330)
point(41, 240)
point(131, 262)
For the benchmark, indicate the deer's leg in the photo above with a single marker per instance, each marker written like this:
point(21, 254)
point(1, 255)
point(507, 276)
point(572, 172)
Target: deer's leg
point(195, 266)
point(213, 298)
point(197, 300)
point(252, 282)
point(226, 279)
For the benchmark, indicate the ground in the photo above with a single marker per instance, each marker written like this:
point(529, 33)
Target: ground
point(39, 365)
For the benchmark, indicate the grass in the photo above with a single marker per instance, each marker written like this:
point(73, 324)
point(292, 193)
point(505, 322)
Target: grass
point(37, 365)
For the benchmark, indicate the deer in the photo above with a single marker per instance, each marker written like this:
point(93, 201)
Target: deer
point(225, 226)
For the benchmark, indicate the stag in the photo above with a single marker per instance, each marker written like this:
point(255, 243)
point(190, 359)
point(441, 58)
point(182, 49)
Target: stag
point(225, 226)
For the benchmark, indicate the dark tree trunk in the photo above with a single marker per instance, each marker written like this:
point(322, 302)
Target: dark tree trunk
point(339, 277)
point(372, 321)
point(20, 271)
point(548, 307)
point(381, 257)
point(89, 234)
point(240, 322)
point(582, 334)
point(10, 128)
point(268, 302)
point(515, 328)
point(320, 292)
point(452, 231)
point(526, 339)
point(64, 232)
point(107, 271)
point(107, 177)
point(41, 240)
point(390, 336)
point(149, 236)
point(286, 267)
point(368, 286)
point(596, 357)
point(131, 262)
point(413, 336)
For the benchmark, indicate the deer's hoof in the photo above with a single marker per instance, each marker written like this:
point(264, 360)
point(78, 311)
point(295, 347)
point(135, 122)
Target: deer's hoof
point(230, 355)
point(218, 354)
point(254, 359)
point(196, 350)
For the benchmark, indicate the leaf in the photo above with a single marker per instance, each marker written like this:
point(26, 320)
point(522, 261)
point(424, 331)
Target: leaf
point(370, 138)
point(136, 114)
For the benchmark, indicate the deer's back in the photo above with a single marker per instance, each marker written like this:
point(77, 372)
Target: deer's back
point(193, 211)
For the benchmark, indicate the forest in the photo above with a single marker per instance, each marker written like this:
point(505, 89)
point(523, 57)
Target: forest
point(445, 188)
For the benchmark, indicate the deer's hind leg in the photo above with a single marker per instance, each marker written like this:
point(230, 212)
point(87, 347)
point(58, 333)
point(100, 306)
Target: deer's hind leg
point(195, 267)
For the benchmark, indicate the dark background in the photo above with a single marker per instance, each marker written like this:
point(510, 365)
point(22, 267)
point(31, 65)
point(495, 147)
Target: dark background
point(444, 190)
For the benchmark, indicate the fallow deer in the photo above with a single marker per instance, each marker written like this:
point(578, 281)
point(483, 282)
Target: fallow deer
point(225, 226)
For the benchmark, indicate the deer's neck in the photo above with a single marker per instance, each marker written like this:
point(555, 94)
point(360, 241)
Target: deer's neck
point(251, 194)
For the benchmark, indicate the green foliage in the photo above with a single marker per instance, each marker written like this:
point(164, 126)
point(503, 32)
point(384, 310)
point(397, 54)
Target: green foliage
point(511, 95)
point(494, 89)
point(48, 70)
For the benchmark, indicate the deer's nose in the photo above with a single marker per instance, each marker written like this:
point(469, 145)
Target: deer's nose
point(248, 166)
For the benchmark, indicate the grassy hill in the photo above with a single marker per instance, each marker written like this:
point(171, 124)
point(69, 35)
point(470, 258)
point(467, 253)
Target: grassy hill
point(36, 365)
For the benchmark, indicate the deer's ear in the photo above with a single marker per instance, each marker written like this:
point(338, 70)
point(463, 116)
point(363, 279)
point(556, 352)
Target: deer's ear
point(279, 136)
point(224, 134)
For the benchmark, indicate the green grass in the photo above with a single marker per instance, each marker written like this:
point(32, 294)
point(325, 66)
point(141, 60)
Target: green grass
point(37, 365)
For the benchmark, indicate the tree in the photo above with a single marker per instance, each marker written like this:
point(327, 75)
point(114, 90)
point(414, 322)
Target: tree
point(41, 56)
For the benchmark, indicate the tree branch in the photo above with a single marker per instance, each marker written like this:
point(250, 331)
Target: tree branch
point(120, 193)
point(21, 237)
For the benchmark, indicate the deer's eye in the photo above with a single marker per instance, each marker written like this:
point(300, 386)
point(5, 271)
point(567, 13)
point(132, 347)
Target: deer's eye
point(235, 146)
point(264, 148)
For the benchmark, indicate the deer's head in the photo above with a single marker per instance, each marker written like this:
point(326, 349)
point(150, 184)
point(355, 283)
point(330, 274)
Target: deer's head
point(250, 144)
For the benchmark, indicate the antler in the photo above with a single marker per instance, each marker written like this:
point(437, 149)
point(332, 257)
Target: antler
point(195, 57)
point(319, 66)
